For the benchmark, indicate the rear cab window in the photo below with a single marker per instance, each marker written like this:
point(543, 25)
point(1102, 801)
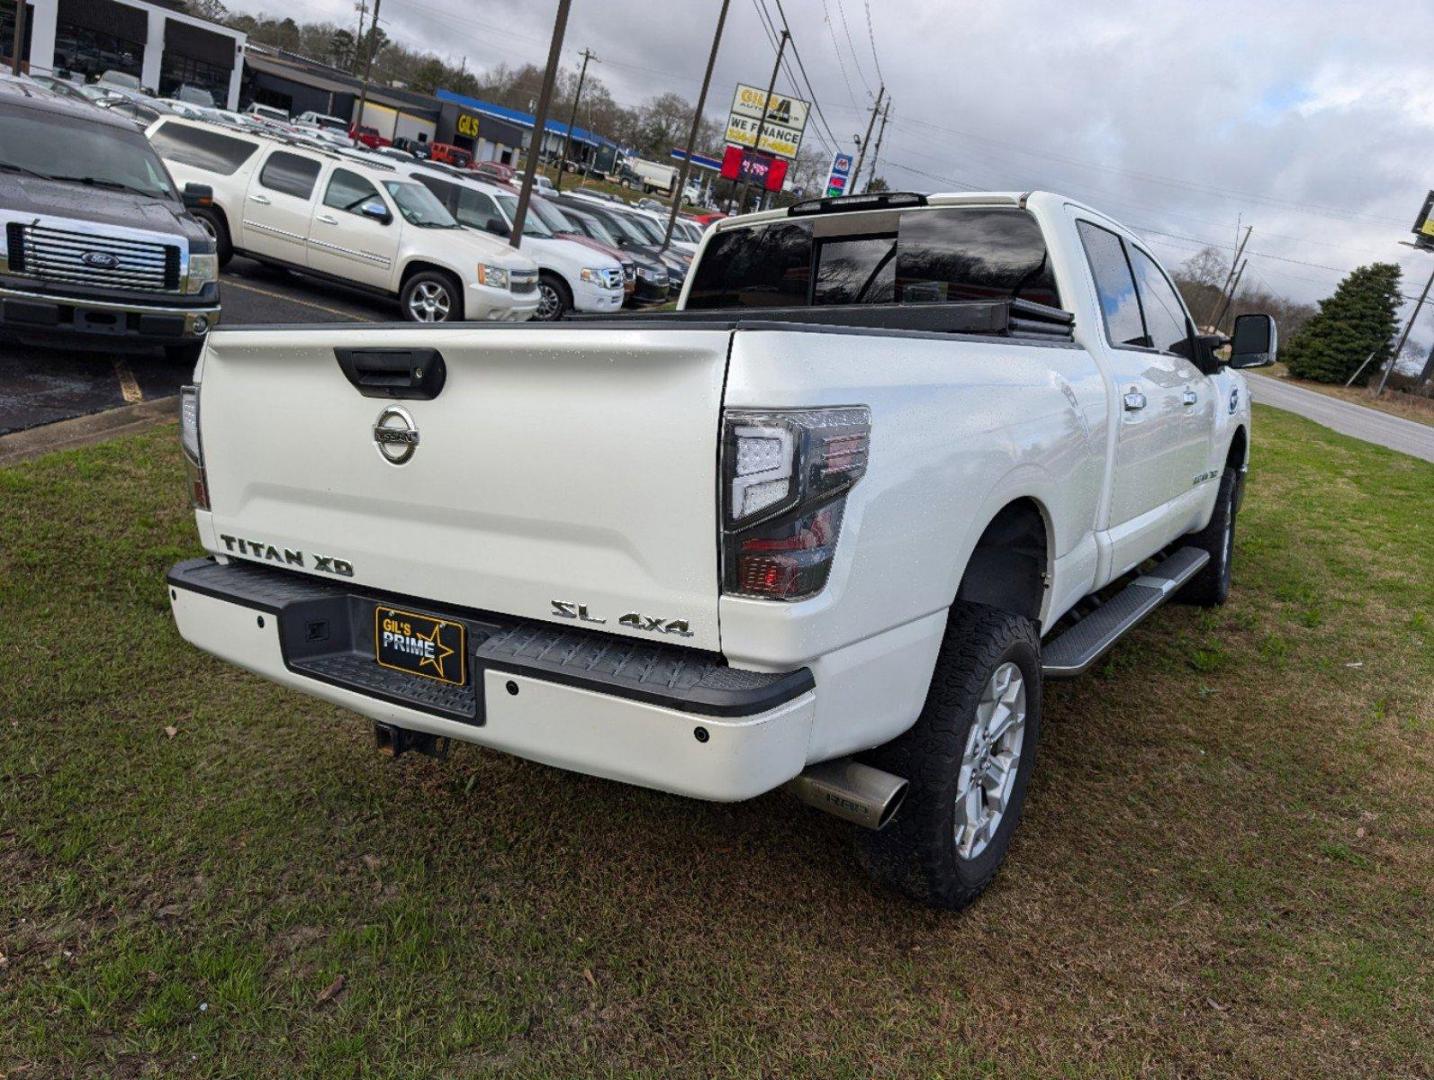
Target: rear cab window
point(291, 174)
point(200, 148)
point(915, 256)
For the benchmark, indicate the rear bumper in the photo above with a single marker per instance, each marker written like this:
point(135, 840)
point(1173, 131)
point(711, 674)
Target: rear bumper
point(45, 315)
point(660, 716)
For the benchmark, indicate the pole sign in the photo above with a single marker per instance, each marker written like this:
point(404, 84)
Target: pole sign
point(1424, 225)
point(782, 132)
point(840, 174)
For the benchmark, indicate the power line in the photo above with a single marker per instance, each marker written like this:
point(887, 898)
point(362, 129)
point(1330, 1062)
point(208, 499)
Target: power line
point(831, 30)
point(811, 90)
point(871, 36)
point(846, 28)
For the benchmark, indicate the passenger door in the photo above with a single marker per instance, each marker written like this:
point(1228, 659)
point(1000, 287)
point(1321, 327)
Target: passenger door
point(1151, 468)
point(278, 205)
point(348, 243)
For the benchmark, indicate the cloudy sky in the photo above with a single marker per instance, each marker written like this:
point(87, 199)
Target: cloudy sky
point(1313, 122)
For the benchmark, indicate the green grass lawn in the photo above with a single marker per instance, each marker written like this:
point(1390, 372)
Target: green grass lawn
point(1225, 867)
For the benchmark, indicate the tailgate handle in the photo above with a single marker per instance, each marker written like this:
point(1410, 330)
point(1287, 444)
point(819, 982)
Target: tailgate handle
point(410, 374)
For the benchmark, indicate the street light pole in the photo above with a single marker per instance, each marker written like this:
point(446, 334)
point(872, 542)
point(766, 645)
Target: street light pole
point(540, 122)
point(19, 32)
point(572, 119)
point(696, 123)
point(368, 64)
point(766, 105)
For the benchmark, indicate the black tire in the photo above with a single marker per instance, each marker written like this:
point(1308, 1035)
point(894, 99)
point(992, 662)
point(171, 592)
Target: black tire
point(188, 355)
point(213, 222)
point(555, 299)
point(917, 853)
point(1211, 586)
point(431, 282)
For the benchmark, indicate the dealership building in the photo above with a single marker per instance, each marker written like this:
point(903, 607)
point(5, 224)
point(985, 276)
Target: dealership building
point(157, 44)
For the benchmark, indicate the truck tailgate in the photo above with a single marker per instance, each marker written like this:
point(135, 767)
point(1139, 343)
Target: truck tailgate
point(575, 464)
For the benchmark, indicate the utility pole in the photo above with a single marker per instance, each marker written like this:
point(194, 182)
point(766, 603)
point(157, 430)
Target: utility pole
point(696, 123)
point(540, 122)
point(1230, 300)
point(362, 8)
point(766, 105)
point(19, 32)
point(1393, 360)
point(572, 119)
point(866, 139)
point(1219, 300)
point(367, 66)
point(876, 154)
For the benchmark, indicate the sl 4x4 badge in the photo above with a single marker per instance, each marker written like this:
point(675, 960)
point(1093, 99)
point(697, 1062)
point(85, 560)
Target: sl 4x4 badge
point(566, 609)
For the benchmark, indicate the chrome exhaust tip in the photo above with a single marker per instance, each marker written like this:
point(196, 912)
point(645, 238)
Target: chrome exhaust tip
point(852, 791)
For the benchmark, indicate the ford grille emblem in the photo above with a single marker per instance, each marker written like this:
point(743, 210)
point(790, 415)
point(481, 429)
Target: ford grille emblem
point(395, 435)
point(100, 260)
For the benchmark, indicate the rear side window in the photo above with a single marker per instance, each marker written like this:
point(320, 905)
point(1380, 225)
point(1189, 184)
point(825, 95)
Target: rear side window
point(349, 191)
point(290, 173)
point(442, 190)
point(1165, 324)
point(766, 266)
point(941, 255)
point(201, 149)
point(1115, 285)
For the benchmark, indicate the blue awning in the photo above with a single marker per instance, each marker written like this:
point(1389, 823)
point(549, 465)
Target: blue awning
point(522, 119)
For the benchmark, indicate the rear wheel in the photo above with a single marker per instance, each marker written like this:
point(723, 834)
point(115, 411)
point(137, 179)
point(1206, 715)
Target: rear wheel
point(213, 223)
point(555, 299)
point(431, 296)
point(968, 759)
point(1211, 586)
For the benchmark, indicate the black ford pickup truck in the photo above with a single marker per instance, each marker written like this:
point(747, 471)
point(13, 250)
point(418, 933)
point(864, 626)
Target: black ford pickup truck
point(97, 246)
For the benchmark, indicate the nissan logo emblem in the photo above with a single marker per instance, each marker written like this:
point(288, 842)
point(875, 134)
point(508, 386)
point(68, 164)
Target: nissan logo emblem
point(395, 435)
point(100, 260)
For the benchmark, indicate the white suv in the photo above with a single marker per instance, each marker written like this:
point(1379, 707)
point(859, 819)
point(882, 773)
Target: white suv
point(346, 217)
point(571, 277)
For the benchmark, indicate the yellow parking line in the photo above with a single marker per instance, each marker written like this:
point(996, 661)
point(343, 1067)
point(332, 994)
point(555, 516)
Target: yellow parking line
point(129, 389)
point(229, 282)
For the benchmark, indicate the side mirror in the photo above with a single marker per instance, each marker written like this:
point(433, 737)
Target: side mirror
point(1254, 342)
point(377, 211)
point(496, 227)
point(198, 196)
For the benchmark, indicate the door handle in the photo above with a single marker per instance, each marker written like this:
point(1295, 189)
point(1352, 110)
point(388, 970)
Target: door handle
point(1190, 397)
point(262, 200)
point(328, 219)
point(1134, 400)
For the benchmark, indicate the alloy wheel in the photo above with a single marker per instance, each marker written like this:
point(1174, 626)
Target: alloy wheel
point(430, 303)
point(549, 303)
point(990, 761)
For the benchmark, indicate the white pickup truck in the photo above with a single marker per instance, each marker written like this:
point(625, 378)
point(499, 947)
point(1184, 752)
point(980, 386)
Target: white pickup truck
point(897, 460)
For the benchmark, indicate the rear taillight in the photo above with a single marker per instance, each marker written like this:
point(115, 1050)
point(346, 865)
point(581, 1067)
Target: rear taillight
point(785, 478)
point(192, 447)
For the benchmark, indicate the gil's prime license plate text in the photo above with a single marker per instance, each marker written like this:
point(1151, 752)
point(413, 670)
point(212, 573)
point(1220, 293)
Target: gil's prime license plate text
point(420, 645)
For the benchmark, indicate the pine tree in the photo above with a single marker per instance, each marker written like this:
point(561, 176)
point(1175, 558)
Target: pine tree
point(1360, 318)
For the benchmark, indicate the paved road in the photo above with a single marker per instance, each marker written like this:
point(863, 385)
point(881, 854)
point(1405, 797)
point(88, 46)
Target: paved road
point(40, 386)
point(1371, 425)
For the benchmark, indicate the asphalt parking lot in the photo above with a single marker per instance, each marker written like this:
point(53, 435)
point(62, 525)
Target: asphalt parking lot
point(43, 385)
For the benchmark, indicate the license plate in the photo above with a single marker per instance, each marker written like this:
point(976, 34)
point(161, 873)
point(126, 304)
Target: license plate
point(420, 645)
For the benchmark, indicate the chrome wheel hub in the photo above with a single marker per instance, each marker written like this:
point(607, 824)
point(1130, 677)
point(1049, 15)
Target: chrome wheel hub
point(547, 301)
point(990, 761)
point(430, 303)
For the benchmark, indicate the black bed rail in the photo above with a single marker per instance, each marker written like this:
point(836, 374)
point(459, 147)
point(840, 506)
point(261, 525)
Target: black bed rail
point(988, 318)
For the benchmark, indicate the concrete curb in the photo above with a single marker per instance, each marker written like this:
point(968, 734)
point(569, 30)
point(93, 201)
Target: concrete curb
point(85, 430)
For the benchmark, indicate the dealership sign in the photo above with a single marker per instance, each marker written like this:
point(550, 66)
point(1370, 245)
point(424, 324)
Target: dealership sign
point(1424, 225)
point(839, 175)
point(786, 119)
point(467, 125)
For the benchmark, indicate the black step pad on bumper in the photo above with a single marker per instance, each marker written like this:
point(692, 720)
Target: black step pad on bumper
point(1078, 648)
point(326, 633)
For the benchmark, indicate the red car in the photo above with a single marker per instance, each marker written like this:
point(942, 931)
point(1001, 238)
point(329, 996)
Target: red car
point(705, 219)
point(368, 136)
point(495, 170)
point(448, 154)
